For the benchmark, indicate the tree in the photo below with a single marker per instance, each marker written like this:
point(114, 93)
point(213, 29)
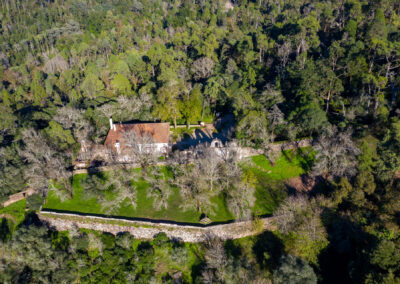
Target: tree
point(336, 154)
point(388, 153)
point(92, 86)
point(167, 104)
point(312, 119)
point(299, 219)
point(61, 138)
point(7, 120)
point(121, 85)
point(252, 129)
point(191, 106)
point(275, 117)
point(139, 148)
point(212, 91)
point(294, 270)
point(386, 255)
point(44, 164)
point(202, 68)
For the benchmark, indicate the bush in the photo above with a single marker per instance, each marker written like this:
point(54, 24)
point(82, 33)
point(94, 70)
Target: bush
point(294, 270)
point(34, 201)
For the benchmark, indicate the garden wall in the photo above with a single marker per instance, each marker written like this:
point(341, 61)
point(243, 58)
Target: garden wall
point(147, 230)
point(18, 196)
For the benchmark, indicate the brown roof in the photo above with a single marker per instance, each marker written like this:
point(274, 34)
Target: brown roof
point(158, 131)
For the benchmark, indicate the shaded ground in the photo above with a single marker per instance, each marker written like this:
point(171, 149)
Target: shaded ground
point(222, 129)
point(302, 184)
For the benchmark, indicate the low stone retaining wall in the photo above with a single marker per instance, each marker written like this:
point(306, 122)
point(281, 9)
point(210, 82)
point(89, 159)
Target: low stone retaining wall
point(147, 230)
point(18, 196)
point(291, 145)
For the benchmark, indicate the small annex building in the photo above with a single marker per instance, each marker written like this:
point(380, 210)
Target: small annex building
point(146, 136)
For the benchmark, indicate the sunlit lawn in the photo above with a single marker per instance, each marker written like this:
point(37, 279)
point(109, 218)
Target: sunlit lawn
point(15, 210)
point(270, 188)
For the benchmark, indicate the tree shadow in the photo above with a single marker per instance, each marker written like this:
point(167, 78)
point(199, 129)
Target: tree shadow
point(343, 260)
point(268, 249)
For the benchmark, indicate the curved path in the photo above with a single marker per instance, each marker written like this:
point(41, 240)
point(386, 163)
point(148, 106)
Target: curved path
point(147, 230)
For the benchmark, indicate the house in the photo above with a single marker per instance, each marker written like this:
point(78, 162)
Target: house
point(138, 137)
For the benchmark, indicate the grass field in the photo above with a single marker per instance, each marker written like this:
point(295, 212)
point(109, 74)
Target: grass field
point(270, 191)
point(270, 188)
point(144, 208)
point(15, 211)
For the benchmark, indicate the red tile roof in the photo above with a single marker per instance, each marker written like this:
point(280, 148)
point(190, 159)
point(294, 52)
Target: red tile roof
point(158, 131)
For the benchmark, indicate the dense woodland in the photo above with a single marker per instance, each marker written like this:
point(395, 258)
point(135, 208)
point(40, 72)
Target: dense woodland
point(285, 69)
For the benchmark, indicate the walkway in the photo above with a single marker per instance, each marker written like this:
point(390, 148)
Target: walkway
point(147, 230)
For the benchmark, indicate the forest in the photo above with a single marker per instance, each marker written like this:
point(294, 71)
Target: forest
point(285, 70)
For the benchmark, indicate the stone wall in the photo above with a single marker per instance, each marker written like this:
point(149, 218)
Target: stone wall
point(18, 196)
point(147, 230)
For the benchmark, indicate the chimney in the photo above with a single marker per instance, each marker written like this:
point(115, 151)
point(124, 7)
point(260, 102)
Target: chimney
point(117, 146)
point(111, 124)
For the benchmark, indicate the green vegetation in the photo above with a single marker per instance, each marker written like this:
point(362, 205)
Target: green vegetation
point(15, 211)
point(144, 209)
point(270, 191)
point(289, 164)
point(263, 71)
point(270, 188)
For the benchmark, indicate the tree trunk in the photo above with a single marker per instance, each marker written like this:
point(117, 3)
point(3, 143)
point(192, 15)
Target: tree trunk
point(174, 122)
point(202, 110)
point(327, 102)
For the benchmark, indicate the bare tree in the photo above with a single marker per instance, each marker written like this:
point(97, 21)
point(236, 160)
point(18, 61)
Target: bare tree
point(288, 213)
point(336, 153)
point(108, 109)
point(275, 117)
point(222, 268)
point(129, 108)
point(118, 182)
point(202, 68)
point(284, 51)
point(140, 148)
point(239, 191)
point(159, 190)
point(240, 200)
point(57, 64)
point(44, 163)
point(301, 217)
point(209, 165)
point(73, 119)
point(194, 188)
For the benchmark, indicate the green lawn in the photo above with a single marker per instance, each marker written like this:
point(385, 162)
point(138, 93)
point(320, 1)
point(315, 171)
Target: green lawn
point(144, 208)
point(16, 211)
point(270, 188)
point(270, 191)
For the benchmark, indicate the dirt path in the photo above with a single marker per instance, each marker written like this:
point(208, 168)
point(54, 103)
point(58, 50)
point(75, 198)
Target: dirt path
point(147, 230)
